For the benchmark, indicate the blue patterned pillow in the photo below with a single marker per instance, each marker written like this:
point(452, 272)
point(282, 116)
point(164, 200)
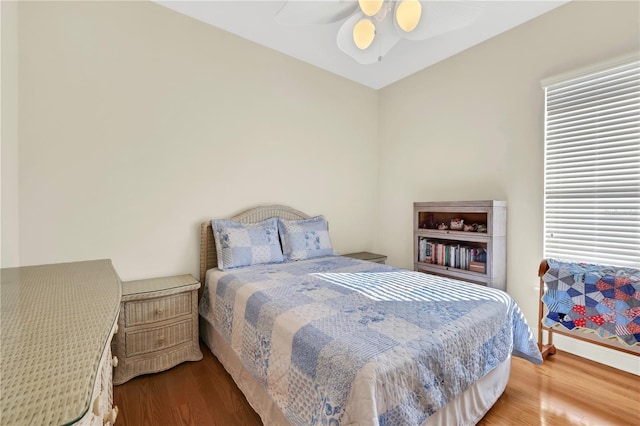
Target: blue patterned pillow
point(244, 244)
point(305, 239)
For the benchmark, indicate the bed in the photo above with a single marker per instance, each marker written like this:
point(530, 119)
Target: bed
point(338, 341)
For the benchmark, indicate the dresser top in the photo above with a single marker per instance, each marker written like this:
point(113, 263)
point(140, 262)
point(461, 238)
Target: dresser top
point(55, 324)
point(154, 287)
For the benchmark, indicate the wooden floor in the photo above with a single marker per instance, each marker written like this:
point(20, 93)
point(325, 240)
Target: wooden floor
point(565, 390)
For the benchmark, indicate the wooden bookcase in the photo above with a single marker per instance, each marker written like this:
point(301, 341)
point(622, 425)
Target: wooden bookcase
point(478, 257)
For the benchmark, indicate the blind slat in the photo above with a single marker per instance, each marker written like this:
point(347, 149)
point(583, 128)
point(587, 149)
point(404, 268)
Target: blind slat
point(560, 144)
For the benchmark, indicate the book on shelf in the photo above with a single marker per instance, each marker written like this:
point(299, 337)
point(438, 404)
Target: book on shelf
point(453, 255)
point(477, 267)
point(422, 250)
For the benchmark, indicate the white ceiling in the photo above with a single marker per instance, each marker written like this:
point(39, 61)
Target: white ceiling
point(316, 44)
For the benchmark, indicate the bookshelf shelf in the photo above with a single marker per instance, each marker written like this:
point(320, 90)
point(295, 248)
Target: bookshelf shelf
point(477, 254)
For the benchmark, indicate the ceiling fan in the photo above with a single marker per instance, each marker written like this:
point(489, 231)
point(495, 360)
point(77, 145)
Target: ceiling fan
point(373, 27)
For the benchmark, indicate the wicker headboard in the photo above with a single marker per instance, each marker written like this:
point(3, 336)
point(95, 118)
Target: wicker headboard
point(208, 255)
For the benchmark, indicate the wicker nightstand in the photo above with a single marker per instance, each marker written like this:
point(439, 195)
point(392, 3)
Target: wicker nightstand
point(365, 255)
point(158, 326)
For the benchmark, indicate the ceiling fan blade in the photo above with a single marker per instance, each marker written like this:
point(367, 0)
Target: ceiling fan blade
point(315, 12)
point(386, 37)
point(439, 17)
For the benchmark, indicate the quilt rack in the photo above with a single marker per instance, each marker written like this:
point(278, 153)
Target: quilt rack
point(550, 349)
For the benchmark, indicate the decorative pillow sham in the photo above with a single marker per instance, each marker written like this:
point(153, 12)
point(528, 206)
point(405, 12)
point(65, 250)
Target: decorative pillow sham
point(245, 244)
point(305, 239)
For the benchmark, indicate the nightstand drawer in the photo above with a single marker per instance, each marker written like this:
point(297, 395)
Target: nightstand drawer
point(155, 339)
point(158, 309)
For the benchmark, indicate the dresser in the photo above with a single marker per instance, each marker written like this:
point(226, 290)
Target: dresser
point(159, 326)
point(57, 324)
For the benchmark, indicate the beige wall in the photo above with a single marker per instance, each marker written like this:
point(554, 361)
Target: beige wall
point(9, 251)
point(137, 123)
point(471, 128)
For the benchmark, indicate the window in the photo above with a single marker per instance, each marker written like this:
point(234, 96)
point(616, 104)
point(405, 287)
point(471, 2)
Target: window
point(592, 166)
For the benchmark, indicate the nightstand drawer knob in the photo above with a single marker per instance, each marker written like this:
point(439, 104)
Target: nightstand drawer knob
point(111, 416)
point(160, 311)
point(161, 340)
point(114, 361)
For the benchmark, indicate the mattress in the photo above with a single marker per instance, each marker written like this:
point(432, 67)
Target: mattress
point(341, 341)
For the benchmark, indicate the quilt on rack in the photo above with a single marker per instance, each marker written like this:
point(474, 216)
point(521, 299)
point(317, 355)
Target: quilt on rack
point(337, 341)
point(599, 298)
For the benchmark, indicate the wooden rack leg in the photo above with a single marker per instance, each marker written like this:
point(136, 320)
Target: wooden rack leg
point(549, 348)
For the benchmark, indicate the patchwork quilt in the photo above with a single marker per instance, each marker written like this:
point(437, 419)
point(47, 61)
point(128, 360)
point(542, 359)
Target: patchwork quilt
point(599, 298)
point(339, 341)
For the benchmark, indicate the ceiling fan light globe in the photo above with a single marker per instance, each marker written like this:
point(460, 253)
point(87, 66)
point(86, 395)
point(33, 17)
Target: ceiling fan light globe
point(408, 14)
point(363, 33)
point(370, 7)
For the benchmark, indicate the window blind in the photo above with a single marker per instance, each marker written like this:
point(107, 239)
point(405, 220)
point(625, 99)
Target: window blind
point(592, 167)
